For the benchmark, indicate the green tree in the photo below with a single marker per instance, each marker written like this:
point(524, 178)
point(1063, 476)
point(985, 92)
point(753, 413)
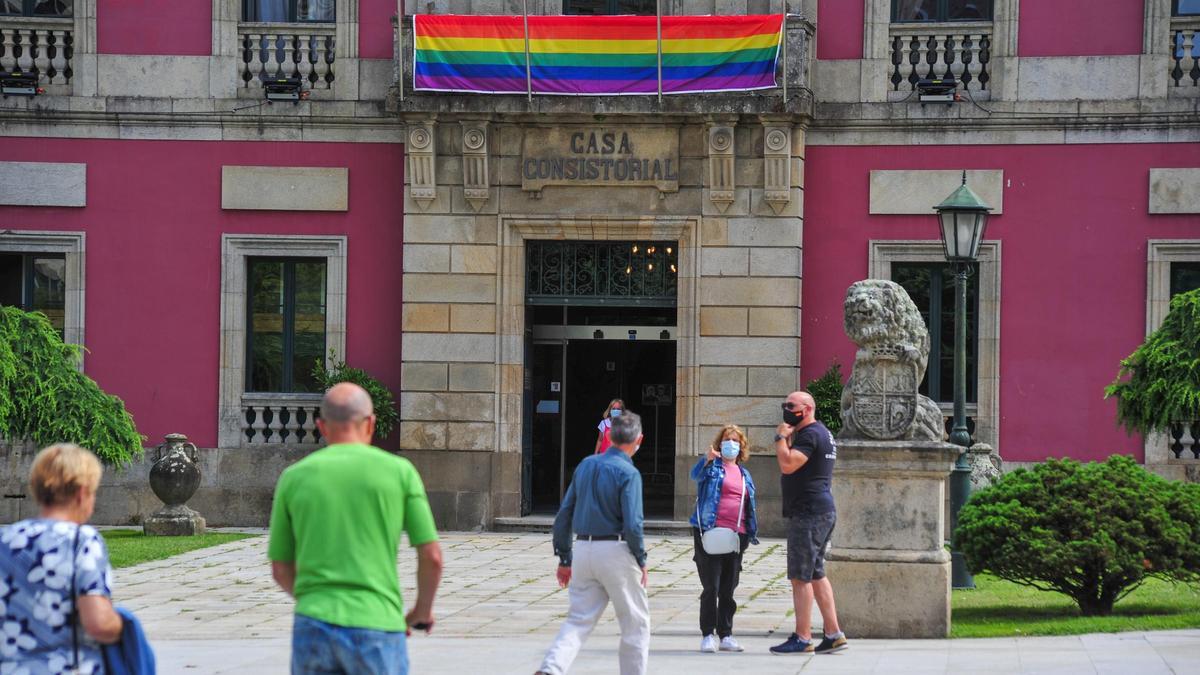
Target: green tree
point(45, 399)
point(1092, 531)
point(386, 415)
point(827, 391)
point(1159, 383)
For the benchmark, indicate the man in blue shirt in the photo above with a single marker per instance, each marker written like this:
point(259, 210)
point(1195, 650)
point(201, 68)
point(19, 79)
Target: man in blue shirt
point(603, 507)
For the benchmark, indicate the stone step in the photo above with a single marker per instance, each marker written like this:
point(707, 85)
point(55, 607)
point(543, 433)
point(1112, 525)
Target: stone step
point(540, 523)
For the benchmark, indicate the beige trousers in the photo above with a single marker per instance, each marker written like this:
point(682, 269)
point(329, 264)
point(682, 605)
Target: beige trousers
point(602, 571)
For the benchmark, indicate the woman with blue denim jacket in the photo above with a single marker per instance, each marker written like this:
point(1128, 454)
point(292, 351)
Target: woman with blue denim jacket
point(725, 498)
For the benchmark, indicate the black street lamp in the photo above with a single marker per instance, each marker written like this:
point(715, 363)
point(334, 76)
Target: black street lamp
point(963, 218)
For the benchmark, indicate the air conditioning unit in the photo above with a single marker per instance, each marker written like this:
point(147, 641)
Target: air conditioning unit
point(18, 83)
point(285, 89)
point(941, 90)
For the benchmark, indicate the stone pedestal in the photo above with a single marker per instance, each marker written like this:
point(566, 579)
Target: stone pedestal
point(174, 521)
point(889, 567)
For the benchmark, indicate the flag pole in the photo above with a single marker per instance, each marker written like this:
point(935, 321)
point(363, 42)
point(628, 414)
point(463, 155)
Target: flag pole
point(658, 25)
point(783, 53)
point(400, 46)
point(528, 71)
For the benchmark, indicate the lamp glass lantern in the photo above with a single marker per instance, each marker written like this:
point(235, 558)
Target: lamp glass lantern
point(963, 216)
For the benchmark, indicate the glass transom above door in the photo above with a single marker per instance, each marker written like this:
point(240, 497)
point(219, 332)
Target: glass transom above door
point(625, 273)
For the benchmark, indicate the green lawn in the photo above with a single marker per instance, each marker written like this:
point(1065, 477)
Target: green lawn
point(130, 547)
point(997, 608)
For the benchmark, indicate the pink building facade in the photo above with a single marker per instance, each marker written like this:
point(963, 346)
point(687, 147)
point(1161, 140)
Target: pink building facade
point(161, 198)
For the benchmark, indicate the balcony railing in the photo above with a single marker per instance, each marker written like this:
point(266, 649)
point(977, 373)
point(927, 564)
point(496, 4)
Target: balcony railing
point(38, 45)
point(931, 51)
point(1184, 441)
point(288, 419)
point(284, 50)
point(1185, 56)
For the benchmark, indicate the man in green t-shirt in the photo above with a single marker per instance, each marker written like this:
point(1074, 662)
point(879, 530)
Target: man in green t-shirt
point(335, 530)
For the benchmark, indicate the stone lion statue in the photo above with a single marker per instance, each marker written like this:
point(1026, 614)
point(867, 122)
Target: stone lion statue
point(881, 400)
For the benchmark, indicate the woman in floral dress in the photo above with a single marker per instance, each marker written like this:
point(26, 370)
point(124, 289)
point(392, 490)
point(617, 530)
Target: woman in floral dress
point(52, 563)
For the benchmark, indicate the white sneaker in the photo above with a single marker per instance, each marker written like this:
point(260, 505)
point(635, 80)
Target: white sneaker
point(728, 644)
point(709, 644)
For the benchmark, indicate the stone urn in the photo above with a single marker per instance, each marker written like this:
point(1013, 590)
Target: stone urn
point(174, 479)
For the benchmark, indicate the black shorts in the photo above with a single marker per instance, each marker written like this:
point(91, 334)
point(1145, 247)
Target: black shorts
point(807, 541)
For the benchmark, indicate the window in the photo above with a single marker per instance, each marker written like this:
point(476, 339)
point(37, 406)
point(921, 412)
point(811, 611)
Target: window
point(286, 323)
point(1185, 276)
point(1185, 8)
point(283, 304)
point(36, 282)
point(61, 8)
point(287, 11)
point(931, 286)
point(599, 7)
point(934, 11)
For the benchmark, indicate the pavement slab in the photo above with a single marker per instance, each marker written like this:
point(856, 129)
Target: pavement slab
point(217, 610)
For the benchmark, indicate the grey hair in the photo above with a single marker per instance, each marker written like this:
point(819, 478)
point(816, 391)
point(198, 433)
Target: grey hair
point(626, 428)
point(346, 402)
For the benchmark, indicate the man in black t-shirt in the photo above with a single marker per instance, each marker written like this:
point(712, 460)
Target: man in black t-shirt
point(806, 452)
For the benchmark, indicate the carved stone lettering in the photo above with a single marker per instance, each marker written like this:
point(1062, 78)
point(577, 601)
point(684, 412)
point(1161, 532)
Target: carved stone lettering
point(619, 155)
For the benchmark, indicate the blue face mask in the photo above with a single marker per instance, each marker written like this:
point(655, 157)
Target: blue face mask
point(730, 450)
point(615, 412)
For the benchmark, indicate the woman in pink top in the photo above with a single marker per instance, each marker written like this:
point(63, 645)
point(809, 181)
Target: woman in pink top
point(614, 409)
point(725, 498)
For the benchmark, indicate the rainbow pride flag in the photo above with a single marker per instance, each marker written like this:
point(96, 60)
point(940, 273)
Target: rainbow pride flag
point(588, 55)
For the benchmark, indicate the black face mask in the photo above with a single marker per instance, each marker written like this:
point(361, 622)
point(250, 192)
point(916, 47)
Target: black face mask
point(790, 418)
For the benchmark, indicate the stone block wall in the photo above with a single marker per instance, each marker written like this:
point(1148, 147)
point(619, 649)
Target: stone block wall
point(737, 215)
point(236, 486)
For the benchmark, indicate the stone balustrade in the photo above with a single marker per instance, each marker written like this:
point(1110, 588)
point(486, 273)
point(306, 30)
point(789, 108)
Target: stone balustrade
point(1185, 57)
point(38, 45)
point(931, 51)
point(283, 50)
point(1185, 438)
point(274, 419)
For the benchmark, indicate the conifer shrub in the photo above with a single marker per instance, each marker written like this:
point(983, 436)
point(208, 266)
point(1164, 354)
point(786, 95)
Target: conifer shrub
point(826, 390)
point(386, 415)
point(1091, 531)
point(45, 399)
point(1159, 383)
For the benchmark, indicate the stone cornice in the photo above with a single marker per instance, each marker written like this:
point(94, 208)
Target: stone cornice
point(298, 123)
point(799, 104)
point(1173, 120)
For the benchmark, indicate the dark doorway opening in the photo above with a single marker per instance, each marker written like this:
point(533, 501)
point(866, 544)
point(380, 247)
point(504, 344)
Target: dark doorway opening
point(600, 321)
point(572, 382)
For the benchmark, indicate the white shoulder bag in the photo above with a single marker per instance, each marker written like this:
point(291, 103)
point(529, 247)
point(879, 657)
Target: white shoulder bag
point(722, 540)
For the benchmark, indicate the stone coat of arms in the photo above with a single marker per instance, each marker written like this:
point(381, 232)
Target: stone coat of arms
point(882, 400)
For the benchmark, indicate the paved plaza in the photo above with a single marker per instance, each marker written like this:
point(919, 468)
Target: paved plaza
point(217, 610)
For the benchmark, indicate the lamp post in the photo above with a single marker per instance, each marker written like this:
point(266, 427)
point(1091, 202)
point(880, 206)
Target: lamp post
point(963, 218)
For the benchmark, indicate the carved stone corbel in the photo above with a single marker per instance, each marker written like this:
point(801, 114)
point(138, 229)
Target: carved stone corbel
point(422, 162)
point(777, 166)
point(720, 166)
point(475, 163)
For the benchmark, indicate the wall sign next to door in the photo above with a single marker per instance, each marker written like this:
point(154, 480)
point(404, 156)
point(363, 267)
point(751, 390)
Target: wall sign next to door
point(620, 155)
point(658, 394)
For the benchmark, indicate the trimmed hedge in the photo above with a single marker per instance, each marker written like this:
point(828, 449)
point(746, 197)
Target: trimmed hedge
point(1092, 531)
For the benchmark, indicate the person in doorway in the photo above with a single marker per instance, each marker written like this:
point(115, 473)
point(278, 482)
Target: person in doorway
point(806, 453)
point(335, 529)
point(724, 498)
point(55, 579)
point(614, 410)
point(603, 507)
